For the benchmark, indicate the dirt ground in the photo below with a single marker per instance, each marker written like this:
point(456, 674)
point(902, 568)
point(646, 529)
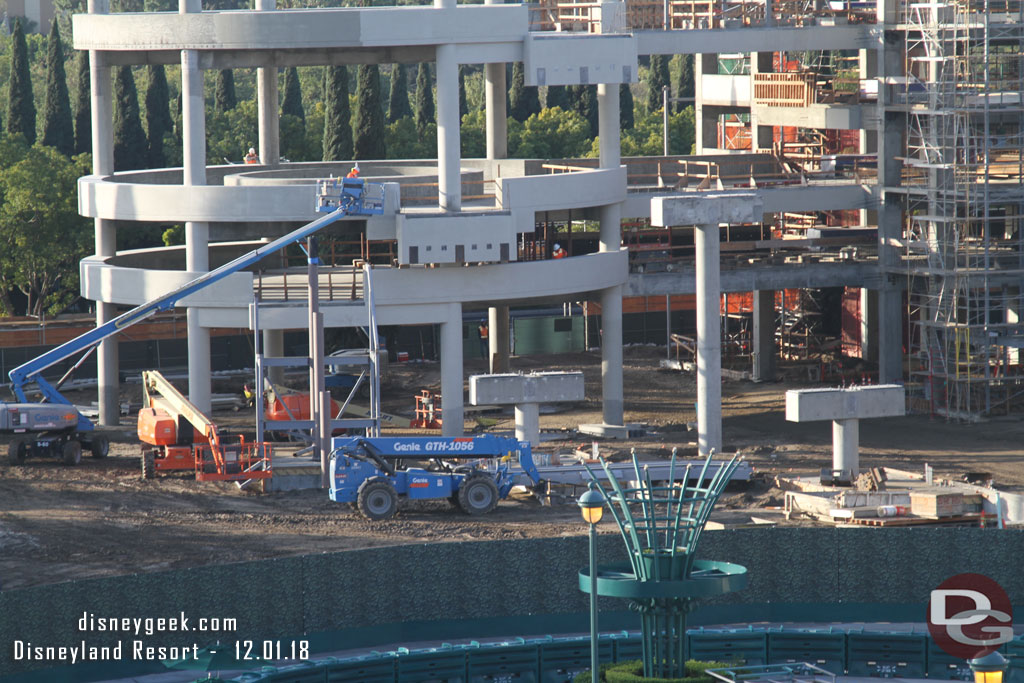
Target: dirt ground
point(101, 518)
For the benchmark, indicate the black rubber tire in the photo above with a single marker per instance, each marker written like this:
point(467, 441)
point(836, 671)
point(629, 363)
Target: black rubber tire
point(148, 465)
point(478, 494)
point(99, 446)
point(377, 499)
point(17, 452)
point(72, 452)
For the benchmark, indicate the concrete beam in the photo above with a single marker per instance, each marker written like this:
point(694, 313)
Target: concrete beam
point(757, 39)
point(845, 407)
point(809, 405)
point(536, 387)
point(706, 209)
point(813, 197)
point(682, 280)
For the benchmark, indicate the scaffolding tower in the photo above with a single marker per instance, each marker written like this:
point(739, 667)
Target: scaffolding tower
point(962, 173)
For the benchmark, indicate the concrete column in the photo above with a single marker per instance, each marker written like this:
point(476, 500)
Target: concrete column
point(845, 440)
point(497, 116)
point(764, 335)
point(610, 240)
point(868, 325)
point(497, 339)
point(105, 231)
point(269, 114)
point(1013, 318)
point(892, 125)
point(761, 137)
point(709, 341)
point(449, 155)
point(273, 346)
point(705, 117)
point(197, 234)
point(528, 423)
point(452, 412)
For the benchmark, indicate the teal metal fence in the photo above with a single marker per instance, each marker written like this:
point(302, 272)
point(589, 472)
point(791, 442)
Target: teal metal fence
point(877, 654)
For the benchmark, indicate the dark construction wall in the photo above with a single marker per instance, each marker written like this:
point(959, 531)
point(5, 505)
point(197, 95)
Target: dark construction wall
point(386, 595)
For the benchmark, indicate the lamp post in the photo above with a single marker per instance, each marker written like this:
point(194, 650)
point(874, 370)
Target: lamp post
point(592, 507)
point(988, 669)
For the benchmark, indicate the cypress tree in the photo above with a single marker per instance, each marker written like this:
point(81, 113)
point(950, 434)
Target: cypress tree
point(158, 114)
point(224, 98)
point(625, 107)
point(58, 126)
point(657, 77)
point(398, 97)
point(423, 106)
point(368, 136)
point(21, 108)
point(586, 106)
point(523, 102)
point(337, 118)
point(557, 97)
point(463, 105)
point(130, 148)
point(292, 94)
point(685, 85)
point(83, 104)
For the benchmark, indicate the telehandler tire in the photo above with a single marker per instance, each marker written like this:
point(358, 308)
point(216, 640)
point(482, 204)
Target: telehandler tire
point(478, 494)
point(377, 499)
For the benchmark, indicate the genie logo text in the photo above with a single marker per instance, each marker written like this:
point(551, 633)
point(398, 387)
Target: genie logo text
point(969, 616)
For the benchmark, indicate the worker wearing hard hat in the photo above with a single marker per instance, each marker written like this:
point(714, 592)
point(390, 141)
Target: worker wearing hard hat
point(558, 252)
point(251, 157)
point(354, 173)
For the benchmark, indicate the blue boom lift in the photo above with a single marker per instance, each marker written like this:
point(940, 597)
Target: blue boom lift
point(366, 471)
point(57, 428)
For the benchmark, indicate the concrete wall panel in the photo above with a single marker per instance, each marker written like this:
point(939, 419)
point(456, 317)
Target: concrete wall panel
point(564, 190)
point(442, 238)
point(133, 286)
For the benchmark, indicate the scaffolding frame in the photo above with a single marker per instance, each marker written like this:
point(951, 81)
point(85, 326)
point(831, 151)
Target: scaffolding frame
point(962, 94)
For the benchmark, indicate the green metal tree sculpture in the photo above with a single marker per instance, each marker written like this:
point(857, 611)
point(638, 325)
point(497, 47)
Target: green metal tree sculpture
point(661, 525)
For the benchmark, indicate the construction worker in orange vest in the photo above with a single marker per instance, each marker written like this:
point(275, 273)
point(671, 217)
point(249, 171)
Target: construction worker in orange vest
point(558, 252)
point(251, 157)
point(354, 173)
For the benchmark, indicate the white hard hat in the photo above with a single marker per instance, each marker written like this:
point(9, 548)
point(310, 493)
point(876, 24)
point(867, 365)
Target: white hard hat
point(252, 150)
point(557, 247)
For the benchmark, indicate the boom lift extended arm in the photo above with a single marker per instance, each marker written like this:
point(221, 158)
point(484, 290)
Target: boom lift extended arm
point(334, 197)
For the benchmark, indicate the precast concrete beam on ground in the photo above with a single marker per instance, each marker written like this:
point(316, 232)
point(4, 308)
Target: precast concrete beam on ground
point(845, 407)
point(526, 393)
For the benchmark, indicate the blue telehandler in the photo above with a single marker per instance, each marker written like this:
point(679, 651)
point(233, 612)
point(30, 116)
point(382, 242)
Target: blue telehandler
point(371, 473)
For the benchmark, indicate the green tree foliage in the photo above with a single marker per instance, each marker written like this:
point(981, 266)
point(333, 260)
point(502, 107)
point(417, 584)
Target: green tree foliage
point(224, 98)
point(552, 134)
point(423, 105)
point(230, 134)
point(523, 101)
point(158, 115)
point(368, 126)
point(21, 107)
point(406, 142)
point(43, 236)
point(337, 145)
point(83, 104)
point(657, 77)
point(292, 104)
point(684, 84)
point(398, 96)
point(473, 135)
point(130, 144)
point(463, 105)
point(645, 139)
point(557, 96)
point(625, 107)
point(58, 126)
point(584, 99)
